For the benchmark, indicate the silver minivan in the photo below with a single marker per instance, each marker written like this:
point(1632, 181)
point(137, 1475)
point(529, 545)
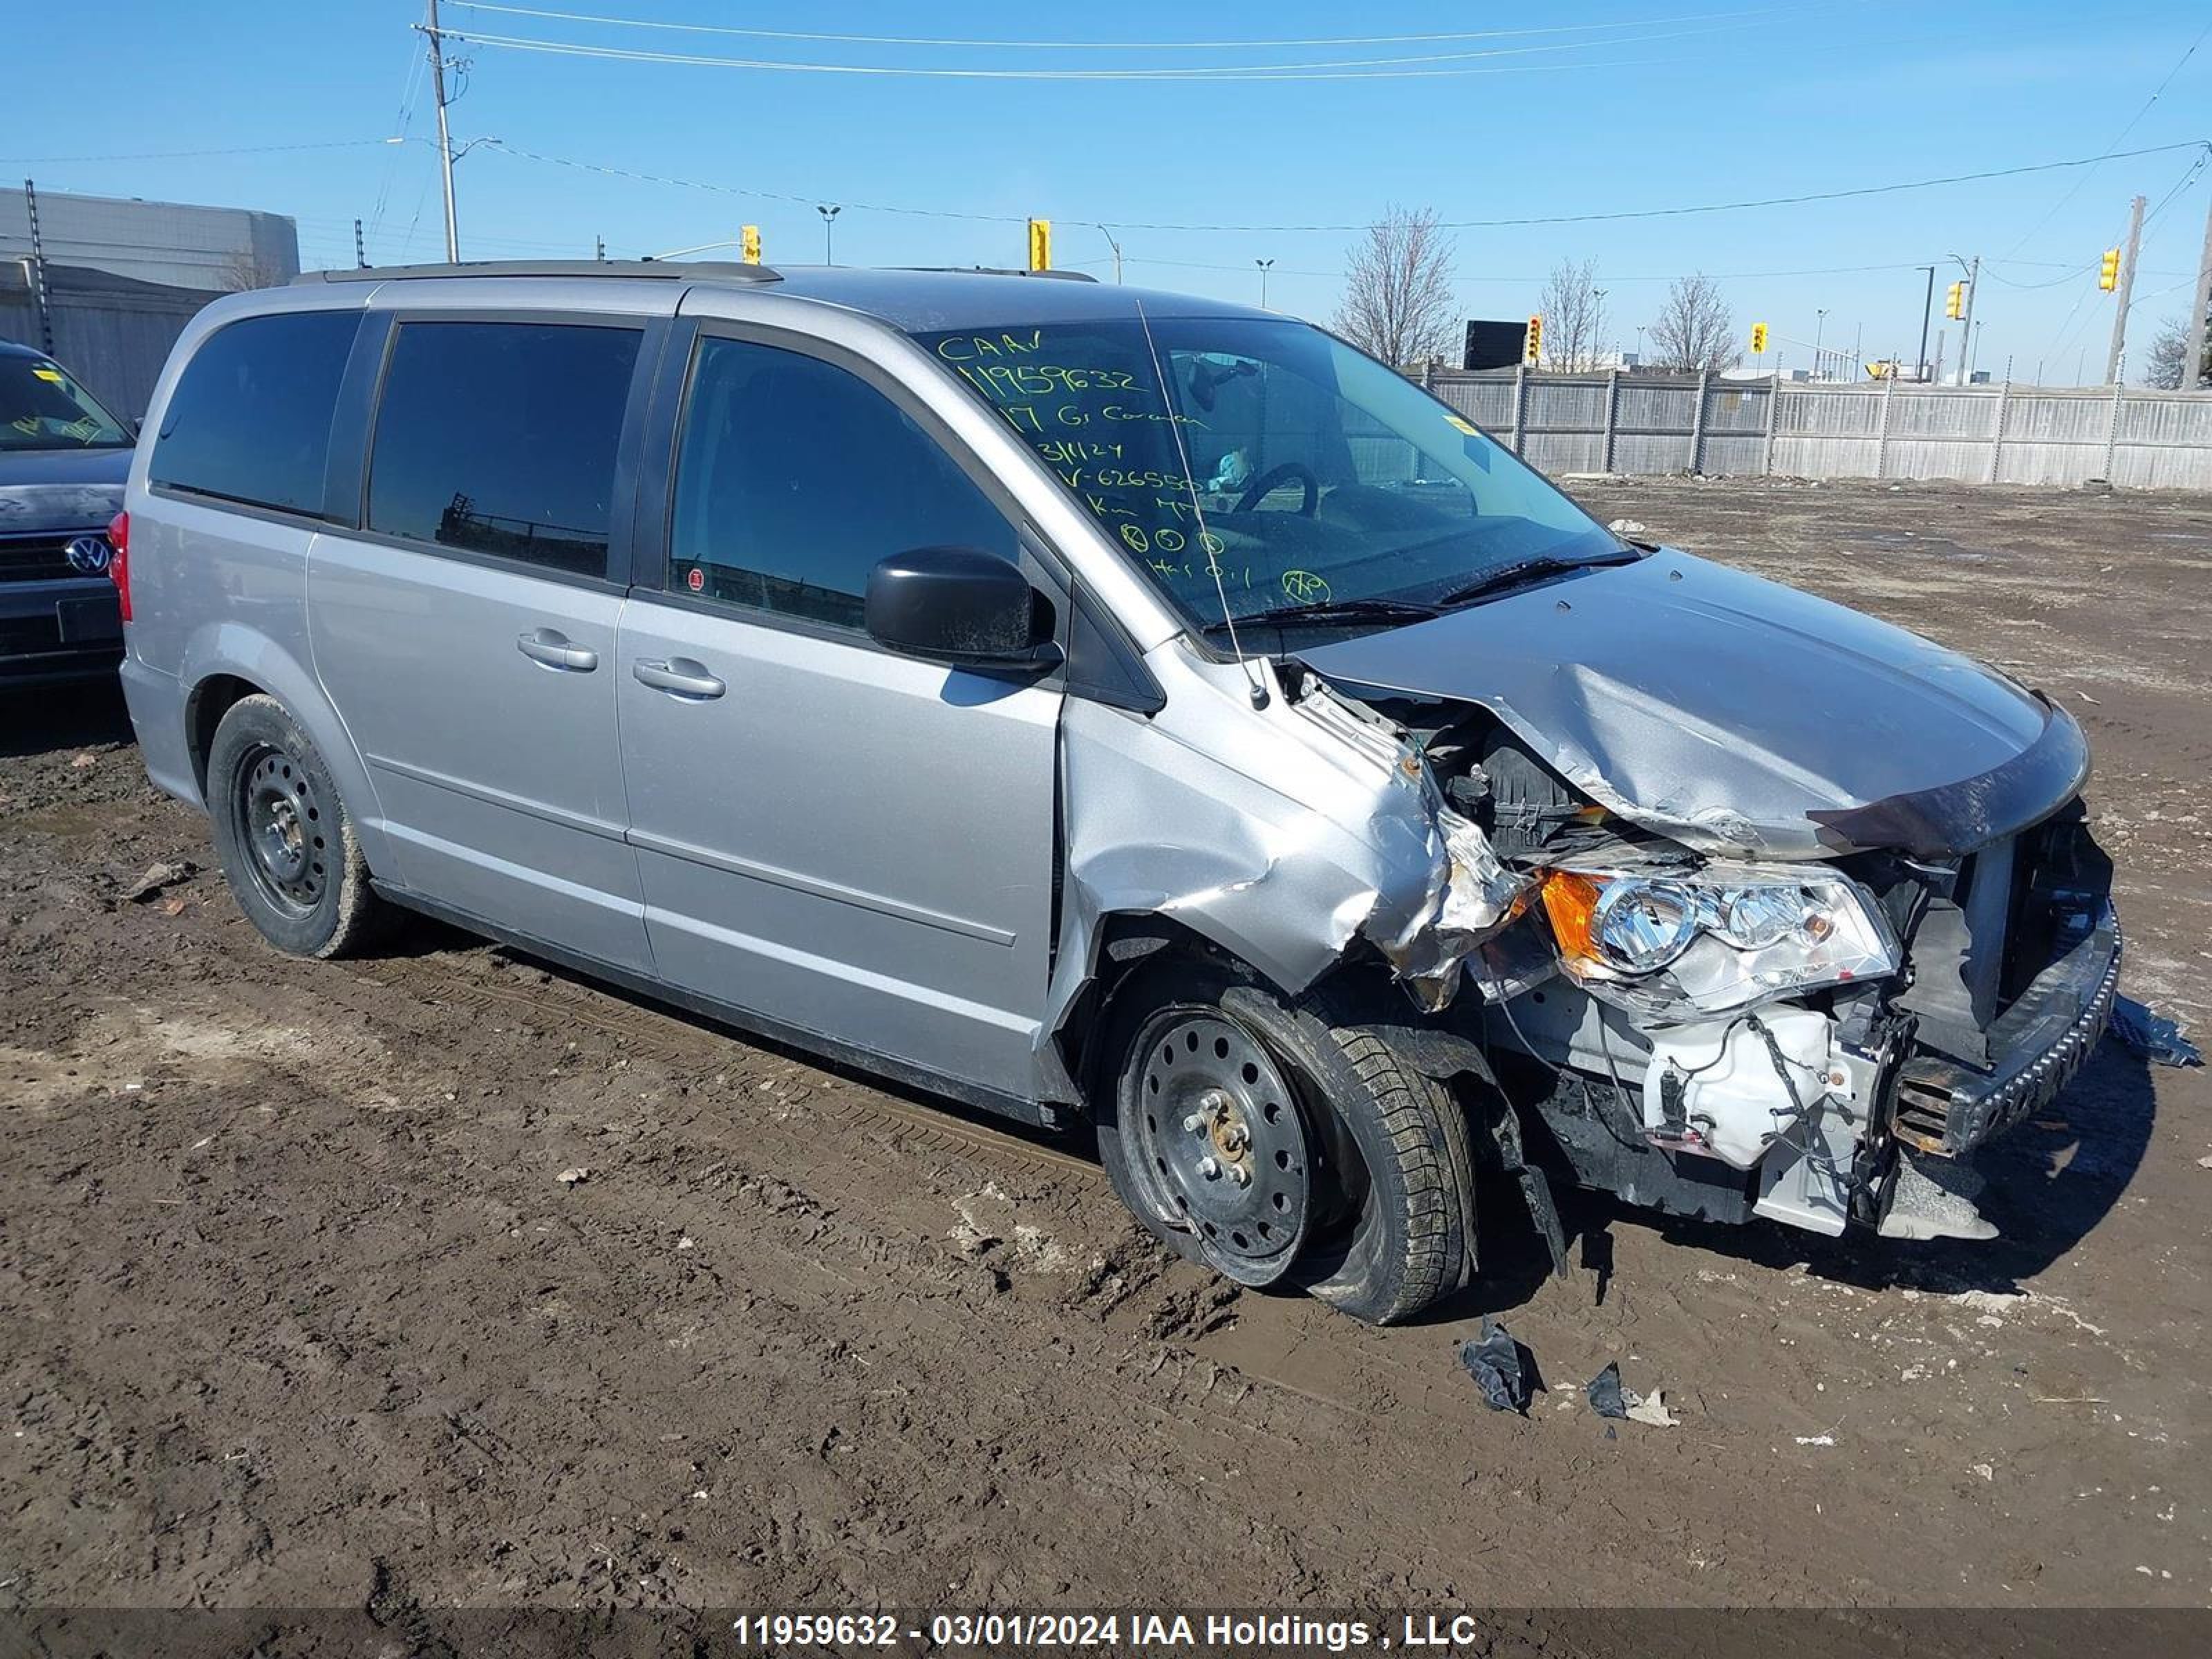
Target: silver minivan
point(1110, 708)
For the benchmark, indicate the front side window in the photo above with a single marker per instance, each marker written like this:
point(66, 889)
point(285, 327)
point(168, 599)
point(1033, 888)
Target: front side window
point(500, 438)
point(1267, 457)
point(795, 478)
point(250, 419)
point(41, 407)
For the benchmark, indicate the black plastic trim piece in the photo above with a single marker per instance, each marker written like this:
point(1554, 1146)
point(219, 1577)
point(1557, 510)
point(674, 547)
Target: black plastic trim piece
point(2039, 1044)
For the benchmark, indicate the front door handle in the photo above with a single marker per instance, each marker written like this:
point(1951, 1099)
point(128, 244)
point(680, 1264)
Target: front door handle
point(550, 646)
point(677, 676)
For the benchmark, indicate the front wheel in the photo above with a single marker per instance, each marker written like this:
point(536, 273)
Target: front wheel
point(1277, 1140)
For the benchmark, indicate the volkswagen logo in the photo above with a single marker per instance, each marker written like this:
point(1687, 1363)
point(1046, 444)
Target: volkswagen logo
point(89, 555)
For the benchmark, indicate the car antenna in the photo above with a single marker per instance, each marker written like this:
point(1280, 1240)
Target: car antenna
point(1205, 540)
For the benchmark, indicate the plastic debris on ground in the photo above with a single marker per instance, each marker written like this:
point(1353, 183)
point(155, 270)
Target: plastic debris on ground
point(1605, 1394)
point(1608, 1398)
point(1502, 1368)
point(2156, 1038)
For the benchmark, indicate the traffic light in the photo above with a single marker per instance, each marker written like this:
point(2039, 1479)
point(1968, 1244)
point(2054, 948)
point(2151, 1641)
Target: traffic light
point(2108, 271)
point(1954, 302)
point(749, 244)
point(1040, 245)
point(1534, 348)
point(1758, 339)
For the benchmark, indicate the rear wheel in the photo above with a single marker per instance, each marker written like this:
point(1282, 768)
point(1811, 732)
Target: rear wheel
point(286, 843)
point(1279, 1141)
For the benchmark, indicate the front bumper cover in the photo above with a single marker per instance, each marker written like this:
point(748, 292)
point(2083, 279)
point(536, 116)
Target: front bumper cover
point(2037, 1045)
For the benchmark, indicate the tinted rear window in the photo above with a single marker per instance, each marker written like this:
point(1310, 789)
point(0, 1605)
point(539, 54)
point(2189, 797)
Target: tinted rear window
point(250, 420)
point(500, 438)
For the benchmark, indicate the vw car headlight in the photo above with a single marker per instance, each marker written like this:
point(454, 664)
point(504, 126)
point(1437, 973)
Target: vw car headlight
point(1713, 940)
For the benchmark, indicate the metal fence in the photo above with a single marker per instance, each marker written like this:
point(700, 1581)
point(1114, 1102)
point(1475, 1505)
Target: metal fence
point(1631, 423)
point(112, 332)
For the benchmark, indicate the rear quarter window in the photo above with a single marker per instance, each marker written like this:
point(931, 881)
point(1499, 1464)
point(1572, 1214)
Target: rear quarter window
point(250, 419)
point(500, 438)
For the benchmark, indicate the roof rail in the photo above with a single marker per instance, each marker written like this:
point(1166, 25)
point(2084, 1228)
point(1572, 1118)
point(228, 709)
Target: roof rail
point(999, 271)
point(663, 269)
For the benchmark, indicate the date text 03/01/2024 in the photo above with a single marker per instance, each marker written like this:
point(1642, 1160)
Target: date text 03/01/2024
point(1168, 1631)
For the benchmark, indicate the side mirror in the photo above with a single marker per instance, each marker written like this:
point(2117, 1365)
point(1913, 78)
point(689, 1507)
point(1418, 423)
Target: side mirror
point(958, 606)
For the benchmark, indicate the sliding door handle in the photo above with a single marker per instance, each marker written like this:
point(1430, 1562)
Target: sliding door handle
point(679, 677)
point(550, 646)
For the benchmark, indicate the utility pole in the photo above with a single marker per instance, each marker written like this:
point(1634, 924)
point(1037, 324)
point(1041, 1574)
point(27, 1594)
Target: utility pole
point(1263, 264)
point(2201, 300)
point(1927, 374)
point(360, 252)
point(445, 138)
point(2127, 287)
point(37, 272)
point(1819, 328)
point(1966, 322)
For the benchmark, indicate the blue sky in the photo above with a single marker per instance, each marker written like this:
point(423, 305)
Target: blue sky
point(1581, 109)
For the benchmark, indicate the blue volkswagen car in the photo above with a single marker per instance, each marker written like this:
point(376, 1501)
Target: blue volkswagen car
point(62, 463)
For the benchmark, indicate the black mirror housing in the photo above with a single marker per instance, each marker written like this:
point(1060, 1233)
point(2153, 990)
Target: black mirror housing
point(958, 606)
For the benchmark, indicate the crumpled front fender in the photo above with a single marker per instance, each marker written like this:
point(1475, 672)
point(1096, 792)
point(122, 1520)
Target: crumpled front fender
point(1283, 835)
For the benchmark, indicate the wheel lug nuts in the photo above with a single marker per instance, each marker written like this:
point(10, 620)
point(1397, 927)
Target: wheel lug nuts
point(1194, 1123)
point(1209, 1167)
point(1243, 1176)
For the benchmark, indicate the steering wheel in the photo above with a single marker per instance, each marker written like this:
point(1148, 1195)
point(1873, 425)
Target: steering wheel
point(1259, 488)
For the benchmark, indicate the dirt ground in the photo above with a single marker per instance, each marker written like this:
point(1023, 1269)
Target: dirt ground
point(295, 1310)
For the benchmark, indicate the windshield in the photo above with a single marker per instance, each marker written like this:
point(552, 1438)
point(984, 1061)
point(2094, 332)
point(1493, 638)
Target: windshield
point(42, 407)
point(1326, 482)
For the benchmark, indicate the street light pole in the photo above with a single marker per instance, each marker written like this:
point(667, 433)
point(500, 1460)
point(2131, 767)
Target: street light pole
point(1974, 269)
point(1926, 306)
point(1819, 328)
point(828, 217)
point(1264, 266)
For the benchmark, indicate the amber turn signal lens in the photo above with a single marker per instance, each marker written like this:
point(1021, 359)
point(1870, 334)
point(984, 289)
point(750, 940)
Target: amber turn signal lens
point(1570, 902)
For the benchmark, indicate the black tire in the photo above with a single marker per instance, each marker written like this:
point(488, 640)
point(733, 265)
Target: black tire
point(283, 833)
point(1389, 1223)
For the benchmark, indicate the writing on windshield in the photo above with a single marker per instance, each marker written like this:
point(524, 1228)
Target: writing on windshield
point(1267, 456)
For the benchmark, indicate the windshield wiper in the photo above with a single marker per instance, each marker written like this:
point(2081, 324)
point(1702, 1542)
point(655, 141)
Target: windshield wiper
point(1331, 610)
point(1516, 575)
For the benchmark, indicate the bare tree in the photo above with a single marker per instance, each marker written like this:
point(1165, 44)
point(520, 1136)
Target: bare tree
point(1694, 328)
point(1398, 299)
point(250, 268)
point(2168, 347)
point(1573, 310)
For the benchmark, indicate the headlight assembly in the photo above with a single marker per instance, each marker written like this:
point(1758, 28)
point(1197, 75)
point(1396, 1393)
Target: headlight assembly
point(1714, 940)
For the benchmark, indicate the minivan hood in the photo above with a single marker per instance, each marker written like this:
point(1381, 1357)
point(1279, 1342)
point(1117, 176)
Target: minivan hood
point(60, 489)
point(1738, 715)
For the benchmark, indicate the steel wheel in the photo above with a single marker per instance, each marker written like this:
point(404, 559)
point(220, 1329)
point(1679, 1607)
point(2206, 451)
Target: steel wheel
point(1218, 1139)
point(280, 822)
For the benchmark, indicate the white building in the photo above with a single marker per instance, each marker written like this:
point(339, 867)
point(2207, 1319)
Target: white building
point(209, 248)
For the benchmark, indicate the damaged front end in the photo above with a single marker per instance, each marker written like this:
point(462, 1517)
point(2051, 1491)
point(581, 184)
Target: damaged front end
point(1737, 953)
point(1820, 1041)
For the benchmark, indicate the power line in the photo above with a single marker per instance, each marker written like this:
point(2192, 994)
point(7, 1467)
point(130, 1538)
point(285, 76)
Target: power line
point(1852, 192)
point(2118, 138)
point(1104, 45)
point(1345, 69)
point(182, 154)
